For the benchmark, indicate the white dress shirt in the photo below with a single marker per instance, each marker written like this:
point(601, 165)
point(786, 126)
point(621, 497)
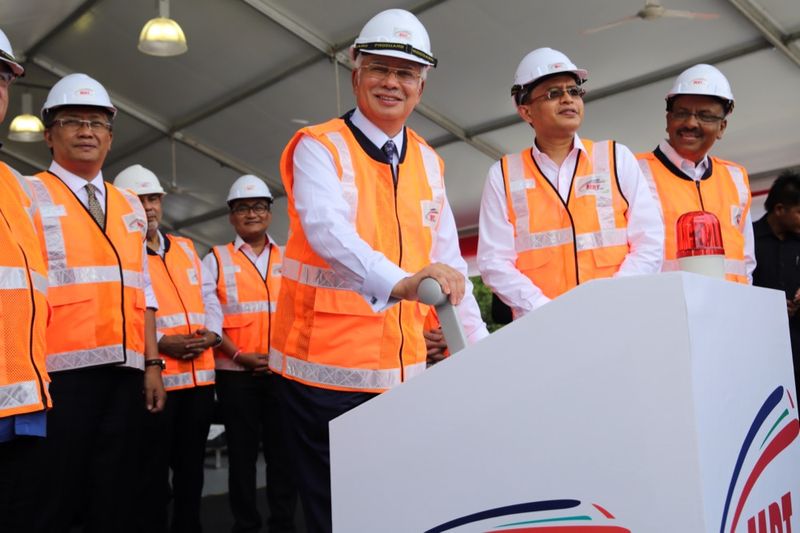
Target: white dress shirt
point(213, 321)
point(323, 212)
point(696, 173)
point(496, 253)
point(78, 186)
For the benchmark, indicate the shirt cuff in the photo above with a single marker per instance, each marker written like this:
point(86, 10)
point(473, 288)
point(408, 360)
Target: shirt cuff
point(378, 285)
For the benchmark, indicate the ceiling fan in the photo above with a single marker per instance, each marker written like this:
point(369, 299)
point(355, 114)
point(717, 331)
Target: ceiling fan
point(653, 10)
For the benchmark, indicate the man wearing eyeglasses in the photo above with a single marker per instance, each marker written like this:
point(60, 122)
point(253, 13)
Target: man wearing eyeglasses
point(101, 345)
point(685, 178)
point(23, 320)
point(188, 322)
point(369, 219)
point(566, 210)
point(246, 276)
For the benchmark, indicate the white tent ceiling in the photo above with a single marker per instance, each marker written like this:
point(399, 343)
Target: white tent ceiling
point(257, 70)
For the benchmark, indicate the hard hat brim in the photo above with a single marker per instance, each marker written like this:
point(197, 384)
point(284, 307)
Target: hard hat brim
point(16, 68)
point(399, 50)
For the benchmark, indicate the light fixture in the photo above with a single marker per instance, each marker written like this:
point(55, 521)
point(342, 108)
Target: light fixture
point(162, 36)
point(26, 127)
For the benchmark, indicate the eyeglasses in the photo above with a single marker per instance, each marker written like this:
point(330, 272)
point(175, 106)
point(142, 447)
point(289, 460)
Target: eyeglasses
point(381, 72)
point(259, 209)
point(6, 78)
point(76, 124)
point(702, 116)
point(556, 93)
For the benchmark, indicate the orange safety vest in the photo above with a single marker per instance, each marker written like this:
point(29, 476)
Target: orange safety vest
point(96, 277)
point(177, 282)
point(724, 190)
point(560, 245)
point(326, 334)
point(248, 301)
point(23, 305)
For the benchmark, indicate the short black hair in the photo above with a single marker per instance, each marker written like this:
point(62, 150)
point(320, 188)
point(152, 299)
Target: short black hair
point(521, 94)
point(785, 190)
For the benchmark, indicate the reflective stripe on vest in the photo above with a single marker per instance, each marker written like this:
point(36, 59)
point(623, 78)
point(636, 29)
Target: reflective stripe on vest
point(348, 178)
point(741, 190)
point(98, 274)
point(104, 355)
point(19, 395)
point(609, 234)
point(17, 278)
point(26, 188)
point(341, 377)
point(179, 319)
point(249, 307)
point(229, 270)
point(205, 376)
point(181, 380)
point(51, 225)
point(313, 275)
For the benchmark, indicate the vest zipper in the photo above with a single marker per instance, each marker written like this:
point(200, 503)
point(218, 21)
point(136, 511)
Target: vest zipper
point(185, 312)
point(31, 290)
point(396, 179)
point(699, 194)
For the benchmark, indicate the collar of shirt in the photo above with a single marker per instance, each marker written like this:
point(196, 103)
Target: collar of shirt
point(161, 247)
point(696, 172)
point(373, 133)
point(549, 168)
point(76, 183)
point(239, 243)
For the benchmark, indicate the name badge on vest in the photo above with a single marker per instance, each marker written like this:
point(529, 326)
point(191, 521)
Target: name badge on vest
point(191, 273)
point(134, 223)
point(594, 184)
point(736, 215)
point(430, 213)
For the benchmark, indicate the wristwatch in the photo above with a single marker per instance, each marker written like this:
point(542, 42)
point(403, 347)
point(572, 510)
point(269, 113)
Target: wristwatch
point(217, 341)
point(160, 363)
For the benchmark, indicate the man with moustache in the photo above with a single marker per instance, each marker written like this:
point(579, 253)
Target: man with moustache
point(369, 220)
point(101, 345)
point(24, 398)
point(188, 323)
point(684, 177)
point(566, 210)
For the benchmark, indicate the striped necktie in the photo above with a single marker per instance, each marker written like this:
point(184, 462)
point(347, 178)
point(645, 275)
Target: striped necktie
point(94, 207)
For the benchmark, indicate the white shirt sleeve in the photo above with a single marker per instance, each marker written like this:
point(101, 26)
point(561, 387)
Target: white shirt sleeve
point(447, 251)
point(497, 256)
point(210, 299)
point(149, 295)
point(645, 224)
point(323, 213)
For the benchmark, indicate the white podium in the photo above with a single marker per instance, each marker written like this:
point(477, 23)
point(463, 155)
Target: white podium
point(654, 404)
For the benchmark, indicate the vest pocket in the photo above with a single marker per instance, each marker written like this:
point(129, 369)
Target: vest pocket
point(611, 256)
point(533, 259)
point(346, 331)
point(72, 307)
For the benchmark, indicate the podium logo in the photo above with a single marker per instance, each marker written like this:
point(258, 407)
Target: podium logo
point(549, 516)
point(761, 458)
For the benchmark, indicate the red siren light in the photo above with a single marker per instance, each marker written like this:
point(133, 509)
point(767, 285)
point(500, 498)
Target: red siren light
point(700, 248)
point(699, 233)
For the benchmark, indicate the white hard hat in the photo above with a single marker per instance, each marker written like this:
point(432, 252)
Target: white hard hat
point(704, 80)
point(540, 63)
point(7, 55)
point(139, 180)
point(248, 186)
point(395, 33)
point(78, 89)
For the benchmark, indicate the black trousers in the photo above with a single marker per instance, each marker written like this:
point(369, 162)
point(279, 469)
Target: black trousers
point(252, 416)
point(307, 411)
point(21, 479)
point(174, 439)
point(90, 451)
